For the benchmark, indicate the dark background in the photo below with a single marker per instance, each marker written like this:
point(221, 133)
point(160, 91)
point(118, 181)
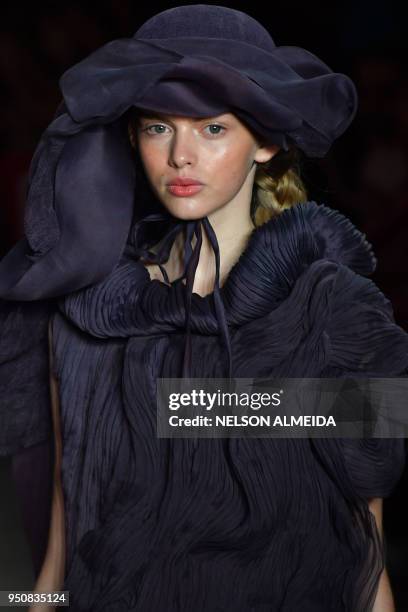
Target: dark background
point(364, 175)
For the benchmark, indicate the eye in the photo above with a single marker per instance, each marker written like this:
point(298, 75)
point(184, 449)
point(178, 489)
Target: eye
point(163, 127)
point(149, 127)
point(215, 125)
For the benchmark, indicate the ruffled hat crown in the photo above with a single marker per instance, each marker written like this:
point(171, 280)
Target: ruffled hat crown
point(209, 21)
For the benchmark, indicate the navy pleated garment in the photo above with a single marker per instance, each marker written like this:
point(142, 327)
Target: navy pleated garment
point(172, 525)
point(233, 524)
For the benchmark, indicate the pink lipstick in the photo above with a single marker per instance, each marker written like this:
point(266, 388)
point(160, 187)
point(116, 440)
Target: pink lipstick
point(184, 186)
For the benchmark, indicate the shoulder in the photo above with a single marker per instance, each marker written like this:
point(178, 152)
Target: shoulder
point(304, 235)
point(333, 259)
point(316, 231)
point(308, 244)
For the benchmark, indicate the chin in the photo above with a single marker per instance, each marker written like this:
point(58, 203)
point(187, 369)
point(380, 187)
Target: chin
point(187, 209)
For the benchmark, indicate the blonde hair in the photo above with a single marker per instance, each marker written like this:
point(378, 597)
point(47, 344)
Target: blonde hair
point(277, 182)
point(277, 186)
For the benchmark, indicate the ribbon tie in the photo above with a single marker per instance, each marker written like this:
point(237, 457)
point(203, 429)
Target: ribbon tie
point(191, 259)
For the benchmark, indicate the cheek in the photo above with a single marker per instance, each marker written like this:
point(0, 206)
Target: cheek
point(151, 159)
point(230, 167)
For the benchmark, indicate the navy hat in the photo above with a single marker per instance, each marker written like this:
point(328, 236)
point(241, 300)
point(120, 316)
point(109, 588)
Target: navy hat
point(190, 60)
point(202, 60)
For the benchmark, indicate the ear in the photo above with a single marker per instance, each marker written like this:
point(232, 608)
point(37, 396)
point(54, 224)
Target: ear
point(265, 153)
point(132, 134)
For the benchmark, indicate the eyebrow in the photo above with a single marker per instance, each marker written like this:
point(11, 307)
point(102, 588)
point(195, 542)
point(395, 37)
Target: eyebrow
point(167, 117)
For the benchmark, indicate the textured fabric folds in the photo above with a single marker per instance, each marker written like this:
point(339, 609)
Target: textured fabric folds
point(25, 412)
point(228, 524)
point(170, 525)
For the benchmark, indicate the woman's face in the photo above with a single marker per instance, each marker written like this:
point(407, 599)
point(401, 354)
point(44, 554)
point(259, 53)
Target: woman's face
point(218, 151)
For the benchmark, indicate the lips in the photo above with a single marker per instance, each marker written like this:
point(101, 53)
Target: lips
point(184, 182)
point(185, 190)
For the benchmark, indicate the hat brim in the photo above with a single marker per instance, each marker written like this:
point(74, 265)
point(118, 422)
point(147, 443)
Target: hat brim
point(286, 90)
point(77, 228)
point(81, 195)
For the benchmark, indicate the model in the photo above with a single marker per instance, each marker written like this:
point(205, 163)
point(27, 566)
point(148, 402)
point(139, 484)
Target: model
point(169, 234)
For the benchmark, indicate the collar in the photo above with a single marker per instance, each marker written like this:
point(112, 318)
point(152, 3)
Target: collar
point(128, 302)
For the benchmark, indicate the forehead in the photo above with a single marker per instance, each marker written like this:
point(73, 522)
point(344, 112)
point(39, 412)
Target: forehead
point(147, 114)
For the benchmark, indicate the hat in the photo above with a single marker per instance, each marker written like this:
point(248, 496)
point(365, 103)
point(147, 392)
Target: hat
point(193, 60)
point(201, 60)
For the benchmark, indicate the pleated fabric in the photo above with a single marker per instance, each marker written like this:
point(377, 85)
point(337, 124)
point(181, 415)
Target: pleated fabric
point(25, 410)
point(233, 524)
point(225, 524)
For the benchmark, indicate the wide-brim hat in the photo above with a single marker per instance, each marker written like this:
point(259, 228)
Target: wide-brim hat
point(193, 60)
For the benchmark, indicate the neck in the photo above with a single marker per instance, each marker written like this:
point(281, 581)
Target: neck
point(233, 226)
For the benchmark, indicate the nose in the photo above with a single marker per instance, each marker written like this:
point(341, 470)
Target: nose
point(183, 147)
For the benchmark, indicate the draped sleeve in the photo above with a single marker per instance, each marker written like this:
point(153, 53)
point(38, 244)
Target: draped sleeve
point(25, 409)
point(364, 340)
